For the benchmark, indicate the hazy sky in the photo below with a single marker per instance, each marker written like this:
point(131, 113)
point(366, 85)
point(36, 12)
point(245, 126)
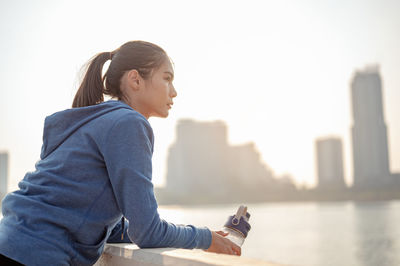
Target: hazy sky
point(277, 72)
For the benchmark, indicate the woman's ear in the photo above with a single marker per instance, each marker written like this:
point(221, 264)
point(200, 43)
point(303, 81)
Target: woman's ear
point(134, 79)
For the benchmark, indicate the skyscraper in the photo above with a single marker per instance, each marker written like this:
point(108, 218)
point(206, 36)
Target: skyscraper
point(197, 159)
point(369, 134)
point(3, 174)
point(329, 153)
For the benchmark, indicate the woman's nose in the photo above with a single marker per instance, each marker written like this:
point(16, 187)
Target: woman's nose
point(173, 92)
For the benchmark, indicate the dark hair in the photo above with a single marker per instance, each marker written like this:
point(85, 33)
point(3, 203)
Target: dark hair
point(139, 55)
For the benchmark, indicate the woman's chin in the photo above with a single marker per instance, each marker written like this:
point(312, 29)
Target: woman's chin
point(161, 115)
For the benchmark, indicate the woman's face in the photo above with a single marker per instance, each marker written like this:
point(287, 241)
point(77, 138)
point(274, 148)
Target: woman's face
point(158, 92)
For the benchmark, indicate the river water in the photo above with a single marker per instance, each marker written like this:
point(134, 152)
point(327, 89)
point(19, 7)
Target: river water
point(330, 233)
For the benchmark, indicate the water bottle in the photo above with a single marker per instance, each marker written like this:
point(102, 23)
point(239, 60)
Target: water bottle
point(237, 226)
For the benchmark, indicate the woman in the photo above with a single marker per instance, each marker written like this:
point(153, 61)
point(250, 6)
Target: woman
point(92, 184)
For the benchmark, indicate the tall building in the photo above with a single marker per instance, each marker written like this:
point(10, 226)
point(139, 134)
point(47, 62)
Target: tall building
point(329, 155)
point(196, 160)
point(3, 174)
point(369, 134)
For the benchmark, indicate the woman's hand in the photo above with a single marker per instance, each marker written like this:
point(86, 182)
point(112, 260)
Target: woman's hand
point(220, 244)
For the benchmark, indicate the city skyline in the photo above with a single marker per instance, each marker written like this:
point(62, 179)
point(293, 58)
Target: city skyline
point(219, 172)
point(279, 76)
point(369, 139)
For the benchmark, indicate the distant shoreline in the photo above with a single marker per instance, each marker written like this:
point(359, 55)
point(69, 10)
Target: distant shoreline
point(315, 195)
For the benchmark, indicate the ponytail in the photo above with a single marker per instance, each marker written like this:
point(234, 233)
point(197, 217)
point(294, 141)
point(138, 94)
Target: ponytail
point(91, 90)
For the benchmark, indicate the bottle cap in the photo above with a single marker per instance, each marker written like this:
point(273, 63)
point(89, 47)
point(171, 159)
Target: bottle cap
point(238, 222)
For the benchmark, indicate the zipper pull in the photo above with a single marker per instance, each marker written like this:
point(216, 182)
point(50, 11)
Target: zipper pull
point(123, 227)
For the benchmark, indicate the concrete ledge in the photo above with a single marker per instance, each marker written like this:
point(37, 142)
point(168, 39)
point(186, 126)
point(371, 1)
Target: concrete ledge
point(132, 255)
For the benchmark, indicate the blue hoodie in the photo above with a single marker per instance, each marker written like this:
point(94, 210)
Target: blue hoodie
point(94, 169)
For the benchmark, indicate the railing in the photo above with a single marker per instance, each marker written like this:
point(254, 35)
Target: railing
point(132, 255)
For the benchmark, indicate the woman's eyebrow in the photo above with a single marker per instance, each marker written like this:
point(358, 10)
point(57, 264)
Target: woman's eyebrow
point(169, 72)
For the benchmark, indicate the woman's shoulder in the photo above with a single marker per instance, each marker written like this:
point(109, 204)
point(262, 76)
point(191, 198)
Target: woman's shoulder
point(126, 116)
point(125, 125)
point(126, 119)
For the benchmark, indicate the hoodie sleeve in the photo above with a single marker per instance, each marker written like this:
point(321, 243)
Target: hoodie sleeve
point(128, 154)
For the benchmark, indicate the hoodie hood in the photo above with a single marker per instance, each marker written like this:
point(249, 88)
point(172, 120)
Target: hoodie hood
point(59, 126)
